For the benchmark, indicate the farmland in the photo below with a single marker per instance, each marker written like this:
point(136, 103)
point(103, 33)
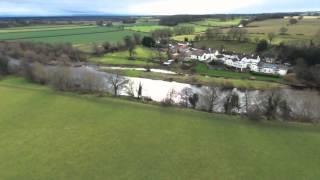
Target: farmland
point(50, 135)
point(303, 31)
point(143, 56)
point(211, 22)
point(145, 28)
point(79, 35)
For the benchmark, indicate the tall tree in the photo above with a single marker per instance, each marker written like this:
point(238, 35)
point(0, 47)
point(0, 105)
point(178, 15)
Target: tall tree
point(283, 30)
point(130, 46)
point(271, 36)
point(118, 83)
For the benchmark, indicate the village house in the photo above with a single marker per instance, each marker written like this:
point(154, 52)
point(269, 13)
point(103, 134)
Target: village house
point(267, 68)
point(202, 55)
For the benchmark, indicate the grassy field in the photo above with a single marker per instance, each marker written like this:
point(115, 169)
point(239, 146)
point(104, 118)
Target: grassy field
point(235, 46)
point(143, 56)
point(145, 28)
point(80, 36)
point(203, 69)
point(49, 135)
point(200, 26)
point(218, 23)
point(42, 28)
point(303, 31)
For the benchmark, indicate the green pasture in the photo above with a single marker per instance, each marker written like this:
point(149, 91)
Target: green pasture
point(50, 135)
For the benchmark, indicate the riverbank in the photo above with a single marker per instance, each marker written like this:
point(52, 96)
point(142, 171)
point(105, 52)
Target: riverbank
point(199, 79)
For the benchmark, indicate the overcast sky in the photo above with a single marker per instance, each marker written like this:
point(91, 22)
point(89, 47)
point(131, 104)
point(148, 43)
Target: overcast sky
point(151, 7)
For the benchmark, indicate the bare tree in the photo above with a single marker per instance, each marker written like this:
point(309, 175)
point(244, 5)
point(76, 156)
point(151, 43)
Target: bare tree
point(140, 88)
point(185, 95)
point(39, 74)
point(91, 82)
point(61, 78)
point(209, 98)
point(117, 82)
point(169, 100)
point(130, 89)
point(232, 103)
point(194, 100)
point(272, 103)
point(130, 45)
point(137, 38)
point(271, 36)
point(247, 101)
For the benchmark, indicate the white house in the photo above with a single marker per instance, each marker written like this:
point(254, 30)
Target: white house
point(274, 69)
point(201, 55)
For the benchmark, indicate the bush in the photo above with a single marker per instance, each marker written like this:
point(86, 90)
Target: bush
point(255, 115)
point(262, 46)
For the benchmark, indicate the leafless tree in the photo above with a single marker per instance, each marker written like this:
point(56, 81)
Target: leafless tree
point(39, 74)
point(246, 101)
point(91, 82)
point(231, 103)
point(185, 95)
point(61, 79)
point(209, 97)
point(118, 83)
point(139, 90)
point(130, 89)
point(169, 100)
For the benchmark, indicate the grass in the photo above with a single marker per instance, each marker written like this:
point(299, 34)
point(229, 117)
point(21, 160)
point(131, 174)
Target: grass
point(145, 28)
point(203, 69)
point(49, 135)
point(211, 22)
point(121, 58)
point(303, 31)
point(83, 36)
point(233, 46)
point(308, 27)
point(42, 28)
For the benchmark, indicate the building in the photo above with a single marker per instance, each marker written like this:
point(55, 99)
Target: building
point(202, 55)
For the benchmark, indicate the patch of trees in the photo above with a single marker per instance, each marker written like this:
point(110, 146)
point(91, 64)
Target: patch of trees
point(213, 33)
point(164, 33)
point(176, 19)
point(238, 34)
point(128, 43)
point(283, 30)
point(305, 58)
point(148, 42)
point(234, 34)
point(42, 52)
point(265, 16)
point(183, 30)
point(262, 45)
point(129, 21)
point(293, 21)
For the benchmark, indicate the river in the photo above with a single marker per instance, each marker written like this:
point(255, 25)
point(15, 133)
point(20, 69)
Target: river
point(304, 102)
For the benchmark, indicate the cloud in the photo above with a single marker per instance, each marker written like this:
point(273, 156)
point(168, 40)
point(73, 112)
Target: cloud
point(68, 7)
point(200, 7)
